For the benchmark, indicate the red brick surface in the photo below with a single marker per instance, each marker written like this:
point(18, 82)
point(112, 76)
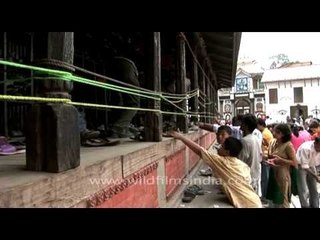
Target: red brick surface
point(193, 159)
point(142, 194)
point(175, 171)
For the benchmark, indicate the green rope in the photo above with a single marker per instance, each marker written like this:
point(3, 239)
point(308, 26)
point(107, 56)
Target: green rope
point(66, 76)
point(40, 69)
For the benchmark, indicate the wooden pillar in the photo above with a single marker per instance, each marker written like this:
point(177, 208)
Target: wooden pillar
point(52, 136)
point(204, 91)
point(211, 101)
point(200, 83)
point(182, 122)
point(214, 106)
point(211, 106)
point(251, 110)
point(153, 120)
point(194, 85)
point(209, 109)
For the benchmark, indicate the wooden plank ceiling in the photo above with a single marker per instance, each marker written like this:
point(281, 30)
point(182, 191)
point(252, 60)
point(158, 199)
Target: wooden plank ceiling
point(222, 49)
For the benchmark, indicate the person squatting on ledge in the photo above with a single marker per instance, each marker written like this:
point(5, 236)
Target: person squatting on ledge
point(126, 71)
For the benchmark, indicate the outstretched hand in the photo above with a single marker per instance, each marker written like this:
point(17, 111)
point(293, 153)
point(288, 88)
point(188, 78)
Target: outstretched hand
point(191, 144)
point(200, 124)
point(174, 134)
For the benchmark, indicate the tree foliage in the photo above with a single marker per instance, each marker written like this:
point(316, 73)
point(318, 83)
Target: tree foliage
point(281, 58)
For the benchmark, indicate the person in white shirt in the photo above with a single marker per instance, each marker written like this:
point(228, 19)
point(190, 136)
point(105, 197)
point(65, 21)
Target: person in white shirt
point(308, 157)
point(251, 152)
point(258, 134)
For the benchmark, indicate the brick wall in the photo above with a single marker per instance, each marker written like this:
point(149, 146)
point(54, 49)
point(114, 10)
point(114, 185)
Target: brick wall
point(144, 192)
point(141, 194)
point(193, 159)
point(175, 171)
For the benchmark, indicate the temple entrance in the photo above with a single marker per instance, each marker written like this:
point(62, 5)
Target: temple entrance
point(296, 111)
point(242, 106)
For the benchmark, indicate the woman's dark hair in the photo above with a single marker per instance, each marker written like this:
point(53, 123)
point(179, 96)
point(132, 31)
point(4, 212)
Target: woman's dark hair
point(314, 124)
point(310, 131)
point(225, 128)
point(285, 130)
point(233, 145)
point(236, 121)
point(295, 129)
point(262, 122)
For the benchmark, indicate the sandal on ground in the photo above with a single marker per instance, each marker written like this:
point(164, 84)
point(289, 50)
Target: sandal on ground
point(206, 172)
point(5, 147)
point(99, 142)
point(193, 190)
point(188, 199)
point(139, 136)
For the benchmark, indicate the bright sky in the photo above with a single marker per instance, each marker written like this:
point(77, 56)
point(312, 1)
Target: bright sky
point(299, 46)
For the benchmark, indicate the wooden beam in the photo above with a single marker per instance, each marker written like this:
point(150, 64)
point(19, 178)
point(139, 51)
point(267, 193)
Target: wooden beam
point(153, 126)
point(227, 80)
point(222, 74)
point(236, 47)
point(209, 94)
point(220, 66)
point(202, 45)
point(219, 58)
point(194, 85)
point(223, 51)
point(219, 36)
point(182, 123)
point(218, 39)
point(204, 91)
point(52, 131)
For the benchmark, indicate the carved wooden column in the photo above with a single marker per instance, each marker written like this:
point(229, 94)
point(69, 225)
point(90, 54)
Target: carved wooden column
point(209, 95)
point(214, 99)
point(194, 85)
point(182, 121)
point(200, 83)
point(53, 139)
point(204, 91)
point(153, 120)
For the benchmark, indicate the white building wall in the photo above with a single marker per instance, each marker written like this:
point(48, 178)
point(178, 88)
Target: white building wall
point(279, 112)
point(311, 96)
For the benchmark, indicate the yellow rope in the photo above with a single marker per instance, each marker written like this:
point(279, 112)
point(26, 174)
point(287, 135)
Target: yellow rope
point(112, 106)
point(66, 76)
point(33, 99)
point(68, 101)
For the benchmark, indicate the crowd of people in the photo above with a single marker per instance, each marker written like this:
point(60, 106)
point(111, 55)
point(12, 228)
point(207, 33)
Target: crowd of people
point(264, 165)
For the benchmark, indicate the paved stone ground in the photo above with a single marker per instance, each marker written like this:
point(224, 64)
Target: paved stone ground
point(213, 197)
